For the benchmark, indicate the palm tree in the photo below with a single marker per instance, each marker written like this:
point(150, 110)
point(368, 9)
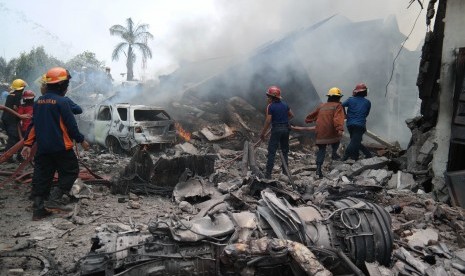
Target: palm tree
point(134, 37)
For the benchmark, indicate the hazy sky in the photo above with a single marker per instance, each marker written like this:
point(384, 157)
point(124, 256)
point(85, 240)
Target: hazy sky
point(183, 29)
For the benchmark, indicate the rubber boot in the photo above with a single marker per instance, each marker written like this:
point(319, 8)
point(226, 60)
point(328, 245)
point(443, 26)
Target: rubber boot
point(319, 173)
point(56, 202)
point(38, 209)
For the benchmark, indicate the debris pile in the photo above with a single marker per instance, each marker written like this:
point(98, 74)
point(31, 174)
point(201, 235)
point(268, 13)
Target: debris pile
point(206, 201)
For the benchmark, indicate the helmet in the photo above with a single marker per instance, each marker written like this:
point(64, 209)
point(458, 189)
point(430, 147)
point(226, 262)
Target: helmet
point(28, 94)
point(274, 91)
point(334, 92)
point(360, 88)
point(56, 75)
point(18, 84)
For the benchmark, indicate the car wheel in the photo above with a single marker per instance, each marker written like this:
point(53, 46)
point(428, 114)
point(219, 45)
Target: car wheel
point(113, 145)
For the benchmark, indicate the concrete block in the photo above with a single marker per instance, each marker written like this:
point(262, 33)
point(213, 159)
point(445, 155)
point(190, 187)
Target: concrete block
point(412, 156)
point(425, 154)
point(366, 182)
point(381, 176)
point(422, 238)
point(343, 167)
point(424, 159)
point(366, 164)
point(427, 147)
point(226, 187)
point(402, 180)
point(187, 148)
point(413, 213)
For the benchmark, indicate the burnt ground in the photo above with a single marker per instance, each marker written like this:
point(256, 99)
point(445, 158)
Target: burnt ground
point(432, 232)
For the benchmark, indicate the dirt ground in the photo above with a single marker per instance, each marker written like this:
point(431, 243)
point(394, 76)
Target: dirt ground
point(57, 236)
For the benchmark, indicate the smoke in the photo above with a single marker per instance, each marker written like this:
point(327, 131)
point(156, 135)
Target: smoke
point(241, 47)
point(239, 26)
point(297, 45)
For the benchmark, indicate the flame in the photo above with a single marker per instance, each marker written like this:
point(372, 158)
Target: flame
point(185, 135)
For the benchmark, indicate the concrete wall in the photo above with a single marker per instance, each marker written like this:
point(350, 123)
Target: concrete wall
point(454, 38)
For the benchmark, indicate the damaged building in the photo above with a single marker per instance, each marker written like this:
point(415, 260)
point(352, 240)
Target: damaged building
point(202, 206)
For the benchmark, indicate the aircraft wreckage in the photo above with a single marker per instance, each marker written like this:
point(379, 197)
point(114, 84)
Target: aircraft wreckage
point(276, 239)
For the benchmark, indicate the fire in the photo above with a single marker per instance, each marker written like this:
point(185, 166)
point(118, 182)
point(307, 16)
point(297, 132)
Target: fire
point(185, 135)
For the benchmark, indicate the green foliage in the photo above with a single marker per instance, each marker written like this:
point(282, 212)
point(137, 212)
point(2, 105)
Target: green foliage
point(7, 70)
point(134, 37)
point(31, 66)
point(86, 59)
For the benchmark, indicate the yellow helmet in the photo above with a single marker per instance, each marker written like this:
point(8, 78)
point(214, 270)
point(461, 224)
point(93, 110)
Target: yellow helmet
point(18, 84)
point(334, 92)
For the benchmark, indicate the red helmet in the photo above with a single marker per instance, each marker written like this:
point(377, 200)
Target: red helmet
point(360, 88)
point(274, 91)
point(28, 94)
point(56, 74)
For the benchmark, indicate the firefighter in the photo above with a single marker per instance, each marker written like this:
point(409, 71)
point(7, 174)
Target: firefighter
point(329, 119)
point(26, 108)
point(278, 115)
point(54, 129)
point(358, 108)
point(11, 122)
point(75, 108)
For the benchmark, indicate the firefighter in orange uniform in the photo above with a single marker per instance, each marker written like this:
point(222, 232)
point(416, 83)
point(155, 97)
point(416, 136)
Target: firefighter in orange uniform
point(329, 118)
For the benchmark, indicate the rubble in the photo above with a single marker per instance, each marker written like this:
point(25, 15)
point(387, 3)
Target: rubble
point(402, 181)
point(206, 199)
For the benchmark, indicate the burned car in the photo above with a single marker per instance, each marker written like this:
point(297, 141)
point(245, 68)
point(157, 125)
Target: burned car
point(121, 127)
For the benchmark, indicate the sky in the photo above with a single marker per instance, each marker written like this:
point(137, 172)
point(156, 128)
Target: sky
point(183, 30)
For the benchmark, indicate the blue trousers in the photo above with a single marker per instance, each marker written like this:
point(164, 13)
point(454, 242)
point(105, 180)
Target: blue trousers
point(320, 154)
point(355, 145)
point(279, 138)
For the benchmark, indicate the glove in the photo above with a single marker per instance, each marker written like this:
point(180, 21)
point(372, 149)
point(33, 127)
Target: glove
point(85, 145)
point(26, 152)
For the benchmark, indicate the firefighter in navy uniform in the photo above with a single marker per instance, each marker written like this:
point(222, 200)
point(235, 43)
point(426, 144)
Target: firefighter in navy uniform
point(358, 109)
point(54, 129)
point(278, 115)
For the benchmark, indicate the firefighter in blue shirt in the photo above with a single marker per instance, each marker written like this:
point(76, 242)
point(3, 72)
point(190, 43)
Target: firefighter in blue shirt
point(278, 115)
point(358, 108)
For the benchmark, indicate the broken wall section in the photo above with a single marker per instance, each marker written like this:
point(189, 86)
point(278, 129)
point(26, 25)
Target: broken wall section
point(440, 80)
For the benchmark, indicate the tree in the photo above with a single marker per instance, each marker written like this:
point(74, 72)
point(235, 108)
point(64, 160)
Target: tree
point(134, 37)
point(31, 66)
point(88, 74)
point(86, 59)
point(7, 69)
